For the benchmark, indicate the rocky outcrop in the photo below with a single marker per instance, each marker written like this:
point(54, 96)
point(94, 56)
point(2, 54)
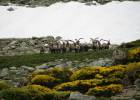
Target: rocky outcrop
point(15, 75)
point(79, 96)
point(21, 46)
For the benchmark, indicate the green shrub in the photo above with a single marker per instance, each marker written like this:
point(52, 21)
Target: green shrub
point(38, 88)
point(21, 94)
point(56, 95)
point(106, 90)
point(33, 92)
point(45, 80)
point(79, 85)
point(4, 85)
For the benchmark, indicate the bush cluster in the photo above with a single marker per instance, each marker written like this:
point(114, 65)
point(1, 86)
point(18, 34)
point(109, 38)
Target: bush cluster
point(45, 80)
point(60, 73)
point(134, 54)
point(33, 92)
point(78, 85)
point(4, 85)
point(109, 90)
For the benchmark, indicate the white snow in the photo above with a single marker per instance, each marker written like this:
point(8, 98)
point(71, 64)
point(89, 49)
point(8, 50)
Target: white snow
point(117, 21)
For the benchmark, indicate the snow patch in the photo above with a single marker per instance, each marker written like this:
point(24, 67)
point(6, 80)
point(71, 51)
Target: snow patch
point(117, 21)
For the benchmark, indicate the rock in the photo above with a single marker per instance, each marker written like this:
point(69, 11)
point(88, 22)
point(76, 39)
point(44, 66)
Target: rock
point(79, 96)
point(90, 3)
point(43, 66)
point(13, 68)
point(28, 68)
point(11, 9)
point(4, 72)
point(137, 96)
point(137, 83)
point(119, 54)
point(102, 62)
point(121, 98)
point(13, 71)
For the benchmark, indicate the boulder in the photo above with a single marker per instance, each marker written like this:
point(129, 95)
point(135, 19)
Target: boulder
point(137, 83)
point(13, 68)
point(102, 62)
point(79, 96)
point(122, 98)
point(11, 9)
point(28, 68)
point(4, 72)
point(43, 66)
point(119, 56)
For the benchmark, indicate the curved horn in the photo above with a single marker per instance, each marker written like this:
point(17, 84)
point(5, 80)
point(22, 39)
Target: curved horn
point(96, 38)
point(80, 39)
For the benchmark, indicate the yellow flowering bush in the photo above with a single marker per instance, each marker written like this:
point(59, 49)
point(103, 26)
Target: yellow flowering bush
point(45, 80)
point(61, 73)
point(84, 73)
point(98, 76)
point(79, 85)
point(109, 90)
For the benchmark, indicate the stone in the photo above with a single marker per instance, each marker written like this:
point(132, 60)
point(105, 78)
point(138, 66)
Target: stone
point(101, 62)
point(11, 9)
point(137, 83)
point(121, 98)
point(4, 72)
point(13, 68)
point(28, 68)
point(43, 66)
point(13, 71)
point(119, 54)
point(79, 96)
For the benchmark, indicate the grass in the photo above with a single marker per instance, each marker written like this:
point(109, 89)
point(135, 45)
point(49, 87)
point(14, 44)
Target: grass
point(37, 59)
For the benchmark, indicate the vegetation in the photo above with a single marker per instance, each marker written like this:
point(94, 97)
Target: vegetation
point(4, 85)
point(58, 83)
point(98, 81)
point(63, 74)
point(134, 54)
point(132, 44)
point(37, 59)
point(45, 80)
point(106, 90)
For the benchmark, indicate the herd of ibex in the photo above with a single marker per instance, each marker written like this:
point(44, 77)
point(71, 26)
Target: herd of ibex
point(63, 46)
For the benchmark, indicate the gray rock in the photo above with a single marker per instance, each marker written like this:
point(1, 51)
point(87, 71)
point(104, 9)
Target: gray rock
point(102, 62)
point(28, 68)
point(10, 9)
point(119, 55)
point(137, 83)
point(79, 96)
point(13, 71)
point(43, 66)
point(122, 98)
point(4, 72)
point(13, 68)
